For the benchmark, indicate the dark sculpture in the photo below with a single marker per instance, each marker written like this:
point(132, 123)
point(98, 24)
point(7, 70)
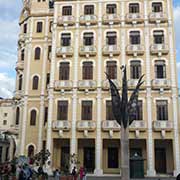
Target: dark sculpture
point(51, 4)
point(123, 109)
point(124, 112)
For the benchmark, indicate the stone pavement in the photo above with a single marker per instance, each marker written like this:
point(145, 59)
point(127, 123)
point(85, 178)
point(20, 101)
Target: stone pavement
point(113, 177)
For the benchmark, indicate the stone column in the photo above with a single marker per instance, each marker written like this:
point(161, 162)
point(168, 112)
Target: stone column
point(43, 86)
point(98, 165)
point(51, 85)
point(150, 141)
point(26, 88)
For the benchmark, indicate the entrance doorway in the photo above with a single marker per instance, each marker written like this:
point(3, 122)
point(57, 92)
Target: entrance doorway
point(89, 158)
point(160, 156)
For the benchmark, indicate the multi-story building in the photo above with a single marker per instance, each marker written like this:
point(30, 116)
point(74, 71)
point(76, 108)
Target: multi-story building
point(64, 49)
point(8, 129)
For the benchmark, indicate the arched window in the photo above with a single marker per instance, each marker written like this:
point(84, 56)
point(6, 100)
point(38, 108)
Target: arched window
point(30, 151)
point(37, 53)
point(22, 55)
point(20, 82)
point(35, 82)
point(33, 118)
point(17, 115)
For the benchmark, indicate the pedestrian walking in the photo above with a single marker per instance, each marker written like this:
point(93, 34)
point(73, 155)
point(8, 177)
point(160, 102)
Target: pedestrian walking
point(74, 173)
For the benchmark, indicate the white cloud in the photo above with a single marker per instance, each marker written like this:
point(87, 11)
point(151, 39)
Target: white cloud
point(7, 85)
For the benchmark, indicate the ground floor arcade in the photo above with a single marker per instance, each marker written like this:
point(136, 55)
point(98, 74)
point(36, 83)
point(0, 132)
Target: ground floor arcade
point(111, 155)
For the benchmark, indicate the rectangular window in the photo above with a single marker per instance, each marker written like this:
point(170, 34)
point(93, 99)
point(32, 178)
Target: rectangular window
point(162, 109)
point(111, 9)
point(87, 71)
point(5, 114)
point(47, 79)
point(65, 39)
point(7, 154)
point(160, 70)
point(88, 39)
point(157, 7)
point(135, 37)
point(50, 26)
point(111, 38)
point(44, 144)
point(1, 148)
point(64, 71)
point(111, 69)
point(139, 111)
point(113, 157)
point(45, 115)
point(39, 27)
point(62, 111)
point(67, 11)
point(49, 52)
point(134, 8)
point(135, 69)
point(88, 10)
point(4, 122)
point(25, 28)
point(109, 112)
point(158, 37)
point(22, 55)
point(86, 111)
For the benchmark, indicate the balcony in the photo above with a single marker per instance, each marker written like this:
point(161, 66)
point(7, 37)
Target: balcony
point(18, 94)
point(138, 125)
point(66, 20)
point(111, 50)
point(86, 125)
point(64, 51)
point(162, 125)
point(87, 84)
point(134, 18)
point(159, 49)
point(111, 19)
point(88, 19)
point(19, 65)
point(66, 84)
point(133, 82)
point(135, 50)
point(158, 17)
point(161, 83)
point(105, 84)
point(87, 51)
point(110, 125)
point(61, 125)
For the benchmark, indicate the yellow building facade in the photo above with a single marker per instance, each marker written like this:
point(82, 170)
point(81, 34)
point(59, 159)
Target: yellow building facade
point(64, 48)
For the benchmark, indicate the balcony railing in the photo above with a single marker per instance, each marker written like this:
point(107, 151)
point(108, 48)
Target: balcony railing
point(110, 125)
point(111, 19)
point(133, 82)
point(159, 49)
point(88, 19)
point(88, 50)
point(86, 125)
point(66, 20)
point(20, 65)
point(158, 17)
point(64, 51)
point(87, 84)
point(111, 50)
point(134, 18)
point(162, 125)
point(161, 83)
point(135, 50)
point(18, 94)
point(61, 125)
point(105, 84)
point(138, 125)
point(63, 84)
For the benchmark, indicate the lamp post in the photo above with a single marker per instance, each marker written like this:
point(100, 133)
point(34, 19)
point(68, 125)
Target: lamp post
point(124, 110)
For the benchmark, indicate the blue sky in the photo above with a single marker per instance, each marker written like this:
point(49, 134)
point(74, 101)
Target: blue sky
point(9, 29)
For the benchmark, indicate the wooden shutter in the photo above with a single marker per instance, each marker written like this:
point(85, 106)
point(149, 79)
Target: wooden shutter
point(33, 118)
point(86, 112)
point(62, 110)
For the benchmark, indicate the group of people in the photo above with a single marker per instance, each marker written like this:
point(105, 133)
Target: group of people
point(75, 173)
